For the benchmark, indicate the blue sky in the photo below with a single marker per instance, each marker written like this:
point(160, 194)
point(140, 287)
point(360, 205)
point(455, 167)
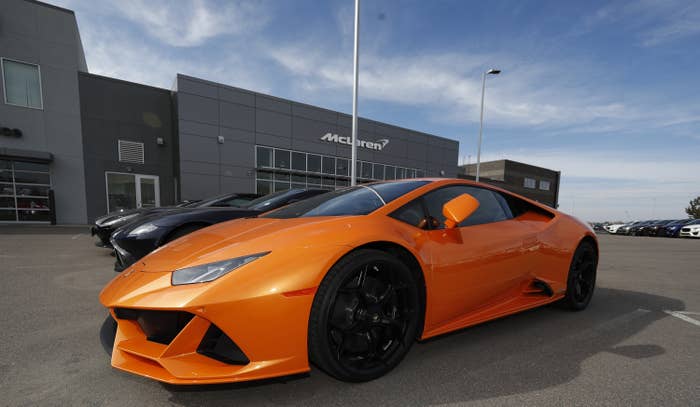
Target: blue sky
point(606, 92)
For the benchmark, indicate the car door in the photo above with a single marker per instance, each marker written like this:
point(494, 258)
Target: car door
point(481, 260)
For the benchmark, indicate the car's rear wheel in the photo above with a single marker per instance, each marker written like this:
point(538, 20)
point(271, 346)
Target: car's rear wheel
point(582, 276)
point(365, 316)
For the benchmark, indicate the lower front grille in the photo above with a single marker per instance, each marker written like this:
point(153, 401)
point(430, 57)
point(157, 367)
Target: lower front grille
point(217, 345)
point(158, 326)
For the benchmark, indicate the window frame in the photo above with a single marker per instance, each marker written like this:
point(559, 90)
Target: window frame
point(4, 83)
point(525, 183)
point(544, 182)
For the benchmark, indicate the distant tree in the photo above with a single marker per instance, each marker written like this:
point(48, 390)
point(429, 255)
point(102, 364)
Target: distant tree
point(694, 209)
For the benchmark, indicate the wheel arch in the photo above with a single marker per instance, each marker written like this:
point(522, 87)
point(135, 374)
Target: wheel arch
point(593, 241)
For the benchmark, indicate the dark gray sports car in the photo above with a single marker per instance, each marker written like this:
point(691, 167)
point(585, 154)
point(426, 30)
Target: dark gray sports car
point(136, 239)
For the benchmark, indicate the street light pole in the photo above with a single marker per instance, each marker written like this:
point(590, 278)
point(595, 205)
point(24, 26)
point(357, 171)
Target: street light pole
point(481, 119)
point(356, 57)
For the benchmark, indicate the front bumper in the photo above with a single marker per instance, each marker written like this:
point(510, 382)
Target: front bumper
point(690, 233)
point(129, 251)
point(269, 330)
point(103, 234)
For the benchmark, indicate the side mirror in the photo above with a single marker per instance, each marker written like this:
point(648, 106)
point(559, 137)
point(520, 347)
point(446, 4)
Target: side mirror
point(458, 209)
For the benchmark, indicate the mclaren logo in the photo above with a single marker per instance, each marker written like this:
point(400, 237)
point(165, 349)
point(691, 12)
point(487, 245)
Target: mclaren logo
point(372, 145)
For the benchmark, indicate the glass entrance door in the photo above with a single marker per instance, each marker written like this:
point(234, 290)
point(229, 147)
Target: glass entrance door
point(131, 191)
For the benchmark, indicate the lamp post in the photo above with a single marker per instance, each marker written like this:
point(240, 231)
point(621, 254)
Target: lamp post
point(356, 56)
point(481, 120)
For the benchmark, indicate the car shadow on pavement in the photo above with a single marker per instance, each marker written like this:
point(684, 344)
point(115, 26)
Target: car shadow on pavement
point(530, 351)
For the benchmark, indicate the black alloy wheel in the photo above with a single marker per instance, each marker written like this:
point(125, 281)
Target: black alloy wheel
point(365, 316)
point(582, 276)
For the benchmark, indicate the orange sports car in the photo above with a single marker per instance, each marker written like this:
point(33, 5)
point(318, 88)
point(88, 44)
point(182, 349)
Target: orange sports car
point(347, 280)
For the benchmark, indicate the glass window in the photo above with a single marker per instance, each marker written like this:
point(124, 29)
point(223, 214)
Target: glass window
point(7, 202)
point(299, 179)
point(329, 165)
point(264, 174)
point(282, 158)
point(10, 215)
point(121, 189)
point(420, 174)
point(314, 163)
point(342, 166)
point(411, 213)
point(34, 215)
point(529, 183)
point(298, 161)
point(492, 206)
point(329, 182)
point(410, 173)
point(22, 84)
point(263, 187)
point(314, 180)
point(400, 173)
point(5, 175)
point(544, 185)
point(339, 183)
point(390, 172)
point(343, 202)
point(27, 166)
point(378, 171)
point(264, 156)
point(366, 170)
point(22, 177)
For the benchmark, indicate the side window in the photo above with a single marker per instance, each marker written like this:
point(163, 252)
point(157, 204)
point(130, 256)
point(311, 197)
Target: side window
point(411, 213)
point(492, 206)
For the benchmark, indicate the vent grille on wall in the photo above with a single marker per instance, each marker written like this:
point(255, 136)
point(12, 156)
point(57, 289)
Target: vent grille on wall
point(130, 152)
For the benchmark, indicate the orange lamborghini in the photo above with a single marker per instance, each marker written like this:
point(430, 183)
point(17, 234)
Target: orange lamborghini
point(347, 280)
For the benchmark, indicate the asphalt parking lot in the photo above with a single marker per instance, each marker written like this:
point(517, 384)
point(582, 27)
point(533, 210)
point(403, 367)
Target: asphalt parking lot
point(625, 349)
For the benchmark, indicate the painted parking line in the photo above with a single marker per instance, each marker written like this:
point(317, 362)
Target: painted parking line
point(684, 316)
point(77, 236)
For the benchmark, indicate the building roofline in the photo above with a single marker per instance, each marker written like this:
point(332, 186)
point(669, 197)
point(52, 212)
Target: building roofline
point(41, 3)
point(505, 160)
point(180, 75)
point(122, 81)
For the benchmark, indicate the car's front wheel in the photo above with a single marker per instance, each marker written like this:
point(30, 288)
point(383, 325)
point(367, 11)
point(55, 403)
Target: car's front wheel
point(365, 316)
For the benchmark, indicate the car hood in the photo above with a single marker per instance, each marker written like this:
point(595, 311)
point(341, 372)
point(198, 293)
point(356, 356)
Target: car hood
point(242, 237)
point(178, 216)
point(123, 214)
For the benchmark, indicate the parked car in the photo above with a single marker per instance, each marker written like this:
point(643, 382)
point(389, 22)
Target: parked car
point(691, 230)
point(147, 233)
point(651, 227)
point(625, 229)
point(612, 228)
point(674, 228)
point(104, 226)
point(348, 281)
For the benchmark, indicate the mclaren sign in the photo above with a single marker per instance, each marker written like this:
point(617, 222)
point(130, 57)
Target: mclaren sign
point(372, 145)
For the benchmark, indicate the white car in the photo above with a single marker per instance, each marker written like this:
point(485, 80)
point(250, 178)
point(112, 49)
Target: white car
point(613, 228)
point(690, 231)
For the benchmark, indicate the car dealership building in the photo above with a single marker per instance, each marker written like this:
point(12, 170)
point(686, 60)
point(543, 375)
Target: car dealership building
point(74, 145)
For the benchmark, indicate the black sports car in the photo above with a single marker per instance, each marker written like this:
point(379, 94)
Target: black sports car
point(106, 225)
point(137, 239)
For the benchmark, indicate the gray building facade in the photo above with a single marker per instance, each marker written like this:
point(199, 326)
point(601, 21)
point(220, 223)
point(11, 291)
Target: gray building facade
point(231, 139)
point(40, 143)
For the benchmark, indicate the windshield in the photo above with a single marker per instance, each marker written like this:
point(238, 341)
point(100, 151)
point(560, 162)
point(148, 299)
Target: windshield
point(359, 200)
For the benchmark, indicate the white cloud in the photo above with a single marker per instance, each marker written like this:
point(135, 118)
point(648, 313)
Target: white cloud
point(191, 23)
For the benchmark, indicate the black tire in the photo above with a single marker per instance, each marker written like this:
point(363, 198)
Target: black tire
point(580, 283)
point(183, 230)
point(365, 316)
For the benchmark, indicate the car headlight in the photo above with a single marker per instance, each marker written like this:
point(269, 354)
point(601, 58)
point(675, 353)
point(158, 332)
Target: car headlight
point(143, 229)
point(120, 219)
point(211, 271)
